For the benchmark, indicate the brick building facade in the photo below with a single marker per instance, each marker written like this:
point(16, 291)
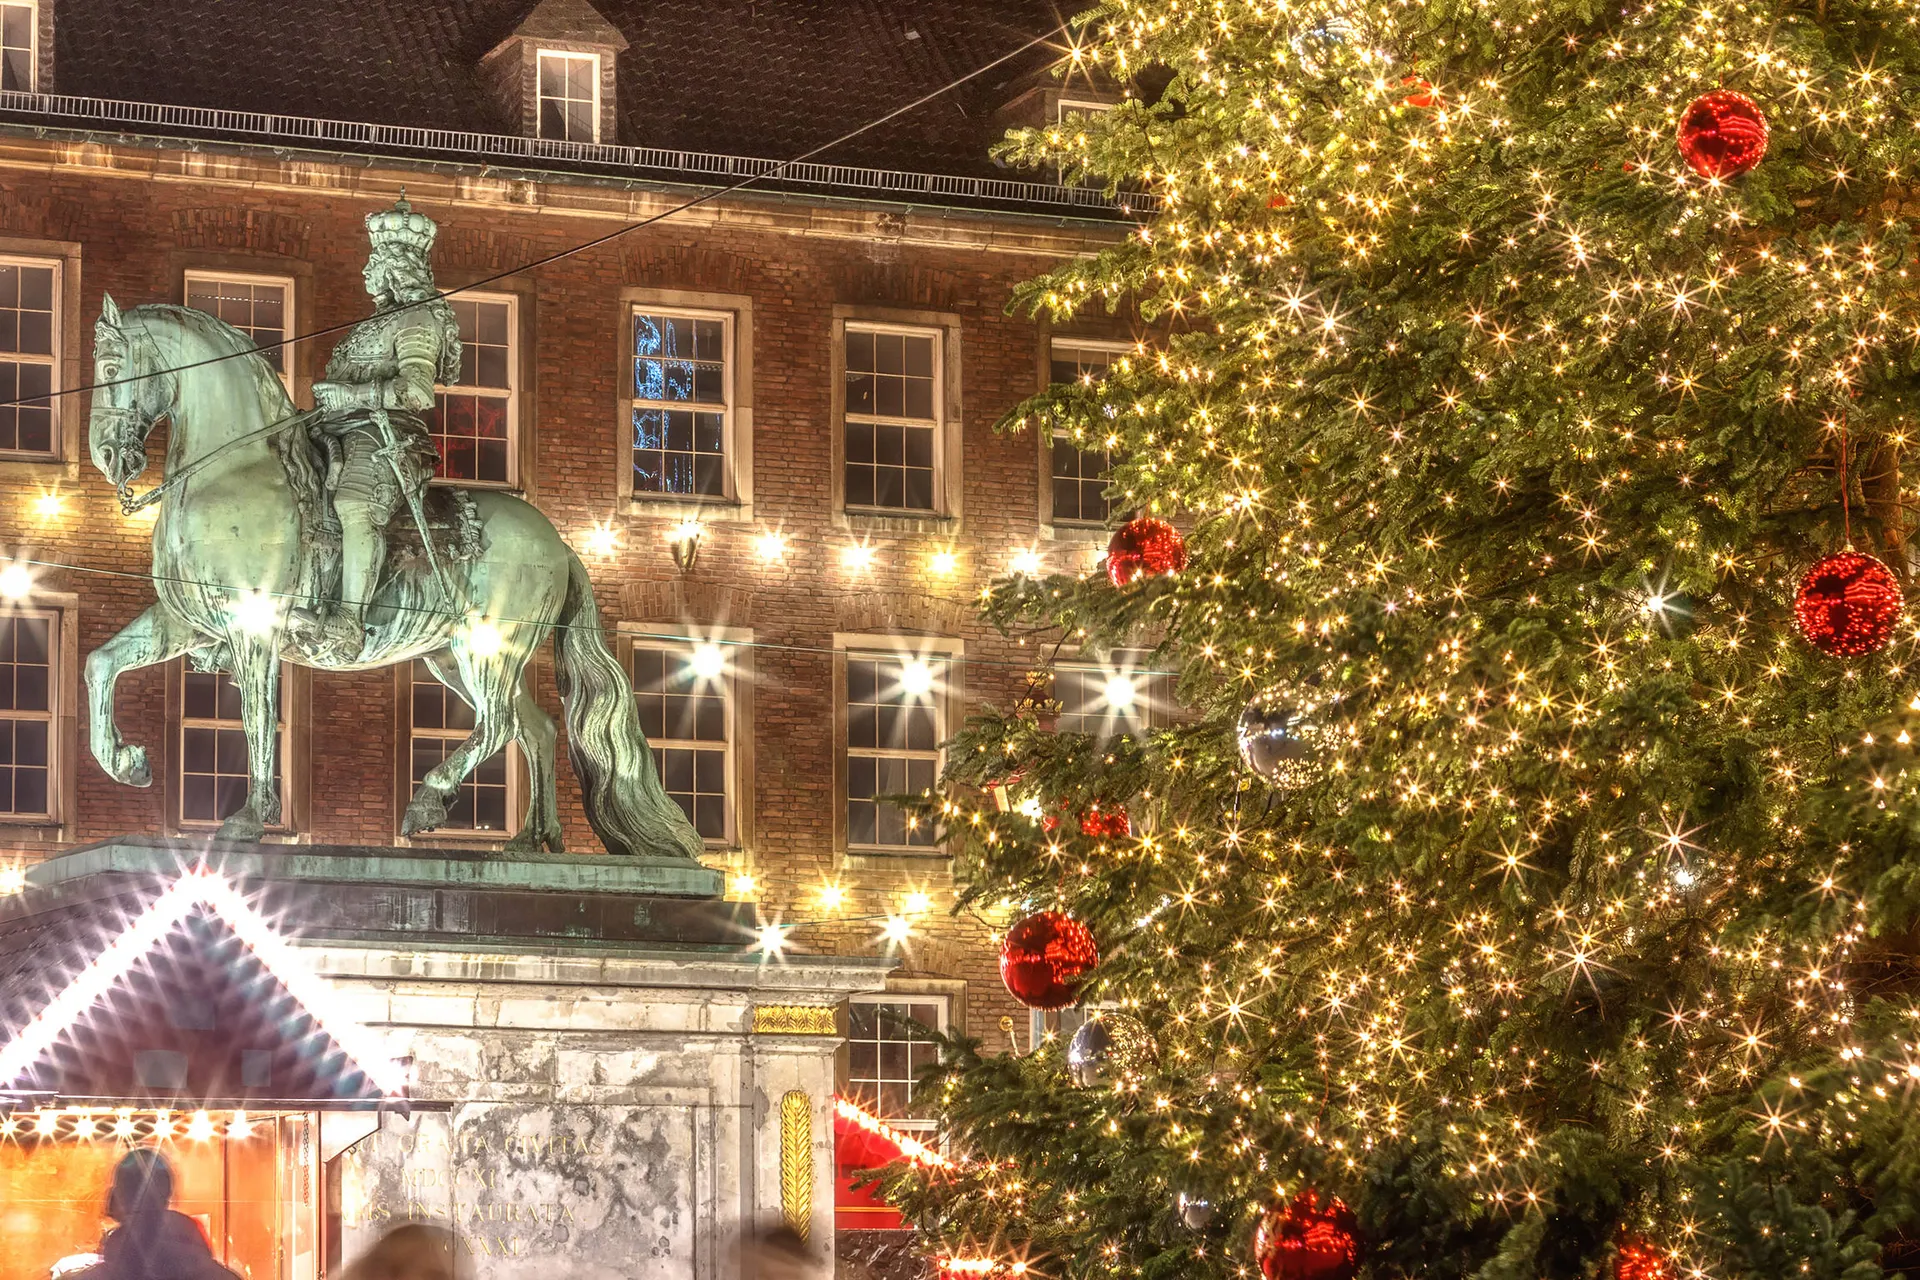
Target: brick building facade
point(796, 383)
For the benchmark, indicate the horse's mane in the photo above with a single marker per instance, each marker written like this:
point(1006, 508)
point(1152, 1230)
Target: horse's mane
point(220, 339)
point(215, 333)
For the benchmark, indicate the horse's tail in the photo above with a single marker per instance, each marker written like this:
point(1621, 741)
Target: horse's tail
point(629, 809)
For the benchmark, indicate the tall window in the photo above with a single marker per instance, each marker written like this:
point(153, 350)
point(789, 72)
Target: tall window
point(26, 714)
point(1103, 699)
point(569, 96)
point(894, 730)
point(1080, 459)
point(258, 306)
point(683, 694)
point(17, 70)
point(213, 748)
point(29, 302)
point(474, 420)
point(889, 1043)
point(441, 722)
point(893, 417)
point(681, 391)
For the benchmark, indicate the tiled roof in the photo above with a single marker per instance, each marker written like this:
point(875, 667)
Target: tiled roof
point(763, 78)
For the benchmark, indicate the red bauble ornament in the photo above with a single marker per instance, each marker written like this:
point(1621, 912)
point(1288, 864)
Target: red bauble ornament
point(1310, 1237)
point(1638, 1260)
point(1421, 96)
point(1143, 546)
point(1105, 824)
point(1723, 134)
point(1847, 605)
point(1044, 958)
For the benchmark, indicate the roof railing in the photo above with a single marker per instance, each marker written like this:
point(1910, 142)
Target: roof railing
point(66, 110)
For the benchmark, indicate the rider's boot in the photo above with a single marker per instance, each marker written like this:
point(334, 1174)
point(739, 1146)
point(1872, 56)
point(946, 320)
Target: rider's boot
point(340, 634)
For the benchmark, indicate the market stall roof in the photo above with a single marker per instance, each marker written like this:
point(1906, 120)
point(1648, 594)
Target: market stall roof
point(174, 993)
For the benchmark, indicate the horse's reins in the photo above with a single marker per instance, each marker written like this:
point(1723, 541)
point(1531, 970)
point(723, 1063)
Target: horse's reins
point(125, 424)
point(131, 502)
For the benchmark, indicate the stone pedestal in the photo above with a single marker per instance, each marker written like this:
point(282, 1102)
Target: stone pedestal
point(610, 1080)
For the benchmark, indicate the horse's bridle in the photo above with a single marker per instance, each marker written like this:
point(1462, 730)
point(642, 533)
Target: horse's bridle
point(127, 428)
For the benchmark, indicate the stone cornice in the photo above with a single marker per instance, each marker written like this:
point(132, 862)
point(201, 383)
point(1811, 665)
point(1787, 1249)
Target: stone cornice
point(430, 184)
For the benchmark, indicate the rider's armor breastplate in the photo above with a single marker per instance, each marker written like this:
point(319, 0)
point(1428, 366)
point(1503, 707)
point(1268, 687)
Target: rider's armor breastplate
point(366, 354)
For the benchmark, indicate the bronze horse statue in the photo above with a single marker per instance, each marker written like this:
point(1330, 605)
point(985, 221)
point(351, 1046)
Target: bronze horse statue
point(229, 557)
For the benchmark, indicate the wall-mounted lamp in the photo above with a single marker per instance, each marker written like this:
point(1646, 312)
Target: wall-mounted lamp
point(684, 541)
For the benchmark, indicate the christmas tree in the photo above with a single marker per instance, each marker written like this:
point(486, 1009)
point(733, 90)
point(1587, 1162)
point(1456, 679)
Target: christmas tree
point(1528, 883)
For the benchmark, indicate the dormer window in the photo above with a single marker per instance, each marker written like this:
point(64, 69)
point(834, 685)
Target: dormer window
point(17, 23)
point(569, 96)
point(553, 75)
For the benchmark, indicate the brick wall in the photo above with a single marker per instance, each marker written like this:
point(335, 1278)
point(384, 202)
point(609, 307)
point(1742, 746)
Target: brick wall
point(796, 262)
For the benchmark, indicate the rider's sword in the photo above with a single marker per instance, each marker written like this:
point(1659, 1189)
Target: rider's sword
point(390, 450)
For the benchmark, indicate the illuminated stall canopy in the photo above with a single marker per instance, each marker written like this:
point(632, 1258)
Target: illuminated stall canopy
point(176, 995)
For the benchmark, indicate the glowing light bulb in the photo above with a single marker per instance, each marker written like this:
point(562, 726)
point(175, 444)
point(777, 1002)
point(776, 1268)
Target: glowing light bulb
point(16, 582)
point(49, 505)
point(1656, 604)
point(1027, 561)
point(833, 897)
point(200, 1128)
point(12, 880)
point(771, 545)
point(44, 1123)
point(239, 1126)
point(917, 903)
point(601, 540)
point(1120, 692)
point(123, 1127)
point(773, 938)
point(897, 929)
point(709, 661)
point(944, 564)
point(483, 637)
point(743, 884)
point(255, 612)
point(916, 678)
point(859, 557)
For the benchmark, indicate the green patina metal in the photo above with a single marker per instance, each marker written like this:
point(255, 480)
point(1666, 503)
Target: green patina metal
point(296, 535)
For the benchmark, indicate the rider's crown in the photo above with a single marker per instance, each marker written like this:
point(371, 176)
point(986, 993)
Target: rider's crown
point(402, 227)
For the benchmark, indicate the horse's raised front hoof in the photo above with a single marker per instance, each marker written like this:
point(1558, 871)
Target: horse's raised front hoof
point(244, 825)
point(130, 766)
point(425, 813)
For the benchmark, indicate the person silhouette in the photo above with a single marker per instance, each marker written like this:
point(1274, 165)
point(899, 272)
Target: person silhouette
point(152, 1242)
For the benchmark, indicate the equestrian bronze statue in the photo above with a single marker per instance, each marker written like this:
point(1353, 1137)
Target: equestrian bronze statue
point(313, 537)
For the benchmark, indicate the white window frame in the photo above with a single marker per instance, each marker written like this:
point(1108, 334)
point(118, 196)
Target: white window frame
point(947, 705)
point(516, 772)
point(1065, 106)
point(937, 423)
point(729, 681)
point(1055, 345)
point(54, 362)
point(945, 1003)
point(52, 716)
point(283, 758)
point(540, 57)
point(730, 348)
point(197, 275)
point(33, 41)
point(512, 389)
point(1156, 689)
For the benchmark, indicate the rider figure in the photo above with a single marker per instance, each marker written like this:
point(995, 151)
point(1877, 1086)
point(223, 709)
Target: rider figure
point(379, 384)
